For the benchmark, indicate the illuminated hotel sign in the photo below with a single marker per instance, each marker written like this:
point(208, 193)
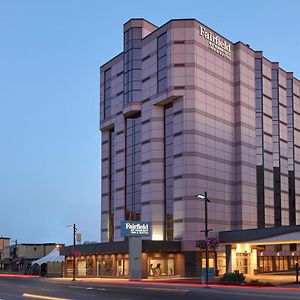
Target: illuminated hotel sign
point(216, 43)
point(134, 228)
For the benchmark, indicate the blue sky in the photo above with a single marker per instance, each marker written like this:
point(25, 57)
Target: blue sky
point(50, 53)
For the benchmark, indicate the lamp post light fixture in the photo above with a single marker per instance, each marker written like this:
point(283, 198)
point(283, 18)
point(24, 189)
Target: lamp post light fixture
point(206, 231)
point(74, 254)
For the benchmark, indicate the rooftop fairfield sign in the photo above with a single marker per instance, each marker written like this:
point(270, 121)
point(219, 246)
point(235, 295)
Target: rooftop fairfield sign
point(216, 43)
point(135, 228)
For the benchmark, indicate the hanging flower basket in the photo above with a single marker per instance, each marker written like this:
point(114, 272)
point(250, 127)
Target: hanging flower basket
point(211, 243)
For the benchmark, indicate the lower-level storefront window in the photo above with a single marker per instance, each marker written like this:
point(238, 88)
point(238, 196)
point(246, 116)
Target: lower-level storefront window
point(105, 267)
point(211, 260)
point(161, 265)
point(81, 265)
point(122, 267)
point(277, 263)
point(221, 263)
point(69, 268)
point(89, 267)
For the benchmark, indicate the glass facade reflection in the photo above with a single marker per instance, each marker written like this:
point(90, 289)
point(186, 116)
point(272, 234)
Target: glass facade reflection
point(291, 152)
point(276, 148)
point(162, 63)
point(107, 93)
point(133, 168)
point(111, 204)
point(260, 187)
point(132, 65)
point(169, 181)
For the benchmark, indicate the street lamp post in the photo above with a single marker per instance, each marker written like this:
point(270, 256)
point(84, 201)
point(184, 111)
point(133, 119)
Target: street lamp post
point(74, 254)
point(206, 231)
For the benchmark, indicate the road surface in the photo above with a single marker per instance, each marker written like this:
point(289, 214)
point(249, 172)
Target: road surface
point(12, 288)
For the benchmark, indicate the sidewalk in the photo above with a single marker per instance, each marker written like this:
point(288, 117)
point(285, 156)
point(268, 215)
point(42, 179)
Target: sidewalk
point(276, 280)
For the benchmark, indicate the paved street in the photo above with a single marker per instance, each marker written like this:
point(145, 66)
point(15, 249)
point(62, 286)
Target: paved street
point(39, 288)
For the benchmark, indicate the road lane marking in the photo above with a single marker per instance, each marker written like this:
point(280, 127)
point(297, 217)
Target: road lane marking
point(133, 287)
point(34, 296)
point(165, 289)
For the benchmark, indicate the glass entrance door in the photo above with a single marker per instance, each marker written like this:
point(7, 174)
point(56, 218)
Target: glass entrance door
point(243, 262)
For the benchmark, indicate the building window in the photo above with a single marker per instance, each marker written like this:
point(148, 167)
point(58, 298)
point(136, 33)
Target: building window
point(132, 65)
point(133, 168)
point(168, 164)
point(276, 148)
point(162, 63)
point(107, 93)
point(260, 180)
point(105, 267)
point(111, 204)
point(291, 151)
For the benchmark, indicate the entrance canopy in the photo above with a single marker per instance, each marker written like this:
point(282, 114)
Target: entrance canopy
point(265, 236)
point(53, 256)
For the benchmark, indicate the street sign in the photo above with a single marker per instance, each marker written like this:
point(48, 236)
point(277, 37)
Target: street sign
point(135, 228)
point(211, 272)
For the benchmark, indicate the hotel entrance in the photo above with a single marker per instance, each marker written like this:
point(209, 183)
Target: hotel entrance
point(262, 250)
point(243, 262)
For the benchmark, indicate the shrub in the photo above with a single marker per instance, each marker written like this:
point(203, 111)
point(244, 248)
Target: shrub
point(236, 278)
point(258, 283)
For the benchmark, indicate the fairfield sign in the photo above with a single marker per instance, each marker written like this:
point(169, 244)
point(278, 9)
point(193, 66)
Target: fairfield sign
point(216, 43)
point(135, 228)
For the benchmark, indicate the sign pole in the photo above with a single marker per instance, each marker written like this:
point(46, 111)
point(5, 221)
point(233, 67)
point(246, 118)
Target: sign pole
point(135, 258)
point(135, 230)
point(74, 254)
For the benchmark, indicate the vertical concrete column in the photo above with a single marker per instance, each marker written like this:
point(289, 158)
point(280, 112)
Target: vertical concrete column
point(253, 261)
point(94, 266)
point(135, 258)
point(145, 270)
point(76, 266)
point(233, 259)
point(114, 265)
point(230, 258)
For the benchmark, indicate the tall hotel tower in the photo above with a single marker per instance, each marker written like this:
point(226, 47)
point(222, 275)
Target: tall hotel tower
point(185, 111)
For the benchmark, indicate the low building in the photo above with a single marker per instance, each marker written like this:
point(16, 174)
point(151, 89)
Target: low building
point(18, 257)
point(4, 242)
point(112, 259)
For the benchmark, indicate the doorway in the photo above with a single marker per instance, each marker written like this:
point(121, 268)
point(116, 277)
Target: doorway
point(243, 262)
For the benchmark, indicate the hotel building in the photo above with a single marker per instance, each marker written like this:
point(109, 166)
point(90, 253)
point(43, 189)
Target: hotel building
point(184, 111)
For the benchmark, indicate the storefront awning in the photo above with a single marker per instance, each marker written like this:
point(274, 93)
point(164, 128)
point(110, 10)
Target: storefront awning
point(262, 236)
point(122, 247)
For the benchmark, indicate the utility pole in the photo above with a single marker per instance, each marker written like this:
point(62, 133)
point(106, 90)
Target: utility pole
point(206, 231)
point(74, 254)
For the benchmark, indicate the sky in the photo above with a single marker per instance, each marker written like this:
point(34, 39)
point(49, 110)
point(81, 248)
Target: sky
point(50, 54)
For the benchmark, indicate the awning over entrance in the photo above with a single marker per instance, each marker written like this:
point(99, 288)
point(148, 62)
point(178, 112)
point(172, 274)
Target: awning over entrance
point(265, 236)
point(122, 247)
